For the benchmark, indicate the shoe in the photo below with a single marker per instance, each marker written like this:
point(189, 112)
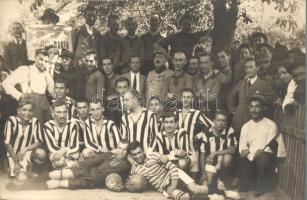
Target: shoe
point(232, 194)
point(221, 185)
point(258, 193)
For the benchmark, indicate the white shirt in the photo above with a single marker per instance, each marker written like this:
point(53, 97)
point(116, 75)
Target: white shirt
point(132, 76)
point(289, 98)
point(252, 80)
point(256, 135)
point(30, 79)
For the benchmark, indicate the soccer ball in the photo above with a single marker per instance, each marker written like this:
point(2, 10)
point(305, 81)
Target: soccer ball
point(114, 182)
point(136, 183)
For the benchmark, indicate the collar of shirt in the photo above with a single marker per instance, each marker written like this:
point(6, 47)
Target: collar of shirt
point(252, 80)
point(208, 75)
point(89, 29)
point(34, 69)
point(91, 71)
point(104, 121)
point(112, 35)
point(129, 37)
point(54, 124)
point(18, 41)
point(19, 120)
point(154, 33)
point(176, 132)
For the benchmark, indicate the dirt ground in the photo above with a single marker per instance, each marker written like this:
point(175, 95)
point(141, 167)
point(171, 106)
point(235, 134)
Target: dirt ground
point(97, 194)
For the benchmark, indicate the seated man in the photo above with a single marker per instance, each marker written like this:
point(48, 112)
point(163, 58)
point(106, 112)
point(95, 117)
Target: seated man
point(22, 136)
point(90, 173)
point(61, 90)
point(256, 147)
point(100, 134)
point(61, 136)
point(217, 147)
point(161, 173)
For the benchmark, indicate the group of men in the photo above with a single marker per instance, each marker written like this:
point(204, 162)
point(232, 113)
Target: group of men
point(123, 108)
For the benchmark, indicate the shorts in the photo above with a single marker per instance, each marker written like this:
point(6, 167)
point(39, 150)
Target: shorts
point(25, 163)
point(194, 166)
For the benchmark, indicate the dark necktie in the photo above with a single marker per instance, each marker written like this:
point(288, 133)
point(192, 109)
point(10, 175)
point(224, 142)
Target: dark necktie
point(249, 84)
point(134, 82)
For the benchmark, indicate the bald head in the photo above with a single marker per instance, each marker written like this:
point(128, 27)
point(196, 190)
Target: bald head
point(179, 61)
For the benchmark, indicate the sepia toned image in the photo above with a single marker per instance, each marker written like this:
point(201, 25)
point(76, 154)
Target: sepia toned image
point(152, 99)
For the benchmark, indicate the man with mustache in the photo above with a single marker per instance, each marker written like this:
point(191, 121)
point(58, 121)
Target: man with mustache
point(61, 136)
point(257, 147)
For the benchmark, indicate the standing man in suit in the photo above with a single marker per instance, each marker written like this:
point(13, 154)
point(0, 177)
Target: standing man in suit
point(137, 80)
point(15, 52)
point(87, 37)
point(242, 92)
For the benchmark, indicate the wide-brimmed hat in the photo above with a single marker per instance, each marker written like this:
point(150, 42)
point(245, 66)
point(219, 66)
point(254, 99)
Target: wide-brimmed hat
point(49, 13)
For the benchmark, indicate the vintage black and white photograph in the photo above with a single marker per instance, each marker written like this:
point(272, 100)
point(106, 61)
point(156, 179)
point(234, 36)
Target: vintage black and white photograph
point(152, 99)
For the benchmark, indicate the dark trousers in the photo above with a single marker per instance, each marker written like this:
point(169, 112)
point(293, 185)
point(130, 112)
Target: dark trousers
point(256, 174)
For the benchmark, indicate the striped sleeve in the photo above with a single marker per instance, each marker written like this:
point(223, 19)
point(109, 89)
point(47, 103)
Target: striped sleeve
point(74, 139)
point(88, 139)
point(123, 128)
point(49, 139)
point(232, 138)
point(205, 121)
point(203, 141)
point(159, 146)
point(38, 132)
point(153, 131)
point(8, 131)
point(116, 134)
point(184, 141)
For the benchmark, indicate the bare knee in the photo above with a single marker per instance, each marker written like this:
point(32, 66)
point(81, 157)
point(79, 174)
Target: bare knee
point(227, 160)
point(40, 154)
point(184, 164)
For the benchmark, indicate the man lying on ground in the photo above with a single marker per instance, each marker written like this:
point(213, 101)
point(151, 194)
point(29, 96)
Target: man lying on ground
point(90, 173)
point(161, 173)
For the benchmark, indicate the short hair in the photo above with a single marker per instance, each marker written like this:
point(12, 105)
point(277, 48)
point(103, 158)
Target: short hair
point(24, 101)
point(61, 80)
point(82, 100)
point(226, 50)
point(248, 60)
point(47, 48)
point(168, 115)
point(41, 52)
point(97, 101)
point(300, 61)
point(194, 57)
point(112, 17)
point(134, 93)
point(91, 52)
point(58, 103)
point(221, 112)
point(88, 8)
point(155, 13)
point(180, 52)
point(205, 54)
point(246, 46)
point(122, 79)
point(188, 90)
point(135, 56)
point(156, 97)
point(134, 145)
point(107, 58)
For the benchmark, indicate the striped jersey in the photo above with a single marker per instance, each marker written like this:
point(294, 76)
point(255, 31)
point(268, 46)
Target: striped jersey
point(211, 143)
point(19, 139)
point(194, 122)
point(179, 141)
point(108, 137)
point(71, 110)
point(156, 173)
point(56, 139)
point(144, 130)
point(81, 126)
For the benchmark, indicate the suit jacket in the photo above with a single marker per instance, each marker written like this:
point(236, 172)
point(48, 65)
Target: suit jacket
point(15, 55)
point(142, 82)
point(241, 94)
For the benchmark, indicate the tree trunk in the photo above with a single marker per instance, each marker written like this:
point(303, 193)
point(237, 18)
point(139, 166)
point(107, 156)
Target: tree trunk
point(224, 24)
